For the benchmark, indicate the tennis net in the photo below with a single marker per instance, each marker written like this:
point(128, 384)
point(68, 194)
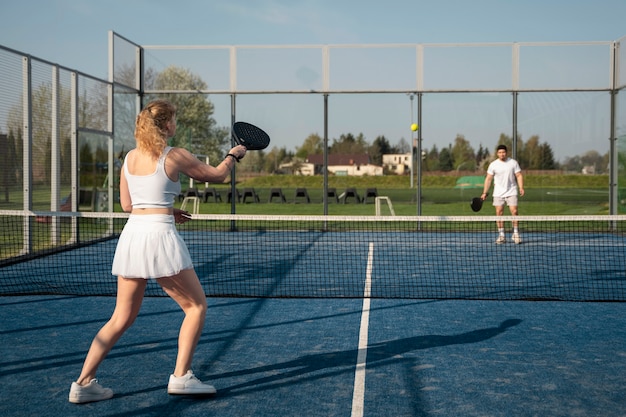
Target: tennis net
point(581, 258)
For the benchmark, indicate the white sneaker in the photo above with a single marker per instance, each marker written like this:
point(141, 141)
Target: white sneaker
point(189, 385)
point(500, 239)
point(93, 391)
point(516, 239)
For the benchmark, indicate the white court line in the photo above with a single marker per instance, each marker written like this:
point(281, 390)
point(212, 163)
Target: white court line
point(358, 396)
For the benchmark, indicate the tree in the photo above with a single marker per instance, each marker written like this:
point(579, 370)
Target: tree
point(403, 146)
point(573, 164)
point(126, 106)
point(593, 159)
point(312, 145)
point(463, 154)
point(253, 162)
point(483, 158)
point(41, 130)
point(348, 144)
point(13, 157)
point(533, 154)
point(446, 163)
point(197, 130)
point(379, 148)
point(481, 153)
point(87, 162)
point(546, 160)
point(274, 158)
point(529, 157)
point(9, 172)
point(432, 159)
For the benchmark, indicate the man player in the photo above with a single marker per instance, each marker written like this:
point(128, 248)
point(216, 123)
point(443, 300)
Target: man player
point(508, 181)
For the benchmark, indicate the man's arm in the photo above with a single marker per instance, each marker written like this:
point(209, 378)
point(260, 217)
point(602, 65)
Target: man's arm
point(486, 186)
point(520, 182)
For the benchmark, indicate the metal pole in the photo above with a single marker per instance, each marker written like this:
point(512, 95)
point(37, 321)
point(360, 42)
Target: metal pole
point(419, 154)
point(233, 183)
point(325, 166)
point(514, 133)
point(614, 163)
point(27, 155)
point(412, 96)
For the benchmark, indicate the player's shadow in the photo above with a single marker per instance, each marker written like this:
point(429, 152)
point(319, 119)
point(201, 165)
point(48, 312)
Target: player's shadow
point(335, 363)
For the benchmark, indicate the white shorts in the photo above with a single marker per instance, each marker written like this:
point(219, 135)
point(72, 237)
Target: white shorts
point(510, 201)
point(150, 247)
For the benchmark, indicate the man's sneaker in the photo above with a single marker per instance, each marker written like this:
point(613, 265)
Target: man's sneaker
point(516, 238)
point(500, 239)
point(88, 393)
point(188, 385)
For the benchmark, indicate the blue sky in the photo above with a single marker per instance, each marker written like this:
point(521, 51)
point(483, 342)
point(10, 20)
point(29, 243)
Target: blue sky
point(73, 33)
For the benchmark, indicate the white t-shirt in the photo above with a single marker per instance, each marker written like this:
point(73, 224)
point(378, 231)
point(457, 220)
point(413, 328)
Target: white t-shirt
point(504, 180)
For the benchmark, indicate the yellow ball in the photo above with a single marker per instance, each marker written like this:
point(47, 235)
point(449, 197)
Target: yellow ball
point(414, 127)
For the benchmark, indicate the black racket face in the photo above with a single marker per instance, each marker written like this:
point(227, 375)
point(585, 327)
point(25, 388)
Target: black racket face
point(250, 136)
point(476, 204)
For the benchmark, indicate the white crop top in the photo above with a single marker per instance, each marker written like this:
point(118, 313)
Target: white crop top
point(155, 190)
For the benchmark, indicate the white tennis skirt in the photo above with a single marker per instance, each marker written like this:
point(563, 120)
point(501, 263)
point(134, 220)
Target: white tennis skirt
point(150, 247)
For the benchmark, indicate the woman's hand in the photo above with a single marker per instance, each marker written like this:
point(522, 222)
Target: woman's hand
point(181, 216)
point(239, 151)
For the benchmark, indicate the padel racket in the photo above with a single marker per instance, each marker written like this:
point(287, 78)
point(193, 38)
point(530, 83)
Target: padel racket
point(250, 136)
point(477, 203)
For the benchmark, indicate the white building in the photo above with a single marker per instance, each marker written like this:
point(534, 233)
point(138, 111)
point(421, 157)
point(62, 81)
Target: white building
point(399, 164)
point(352, 165)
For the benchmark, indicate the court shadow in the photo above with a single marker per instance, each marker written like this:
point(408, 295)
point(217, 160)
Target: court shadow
point(320, 366)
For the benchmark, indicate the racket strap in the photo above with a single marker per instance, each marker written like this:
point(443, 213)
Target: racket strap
point(234, 157)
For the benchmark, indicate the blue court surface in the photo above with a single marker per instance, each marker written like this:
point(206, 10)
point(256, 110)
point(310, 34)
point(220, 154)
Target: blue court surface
point(325, 357)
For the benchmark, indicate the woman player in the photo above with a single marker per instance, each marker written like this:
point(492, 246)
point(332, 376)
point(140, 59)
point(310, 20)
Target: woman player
point(150, 247)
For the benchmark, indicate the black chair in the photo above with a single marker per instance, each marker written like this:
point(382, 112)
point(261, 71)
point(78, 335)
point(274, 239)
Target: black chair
point(302, 193)
point(237, 194)
point(250, 192)
point(278, 193)
point(86, 197)
point(370, 193)
point(190, 192)
point(351, 193)
point(331, 193)
point(213, 193)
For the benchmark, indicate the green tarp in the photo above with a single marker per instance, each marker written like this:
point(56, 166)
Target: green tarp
point(470, 181)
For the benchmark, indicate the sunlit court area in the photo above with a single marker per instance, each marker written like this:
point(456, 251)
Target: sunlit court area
point(347, 268)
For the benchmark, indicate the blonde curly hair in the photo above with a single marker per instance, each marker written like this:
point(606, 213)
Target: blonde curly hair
point(151, 130)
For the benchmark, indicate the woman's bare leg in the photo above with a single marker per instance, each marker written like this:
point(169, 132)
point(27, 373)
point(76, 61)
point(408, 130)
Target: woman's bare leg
point(128, 303)
point(186, 290)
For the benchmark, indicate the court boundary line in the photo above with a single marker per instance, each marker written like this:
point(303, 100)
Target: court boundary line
point(358, 395)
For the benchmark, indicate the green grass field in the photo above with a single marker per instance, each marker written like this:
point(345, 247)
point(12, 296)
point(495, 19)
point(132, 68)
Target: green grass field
point(435, 202)
point(548, 195)
point(545, 195)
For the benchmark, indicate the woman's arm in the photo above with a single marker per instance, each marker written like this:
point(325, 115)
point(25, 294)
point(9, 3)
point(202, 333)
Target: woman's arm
point(184, 161)
point(125, 201)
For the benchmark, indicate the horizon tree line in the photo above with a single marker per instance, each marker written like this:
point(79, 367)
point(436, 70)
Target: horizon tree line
point(199, 132)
